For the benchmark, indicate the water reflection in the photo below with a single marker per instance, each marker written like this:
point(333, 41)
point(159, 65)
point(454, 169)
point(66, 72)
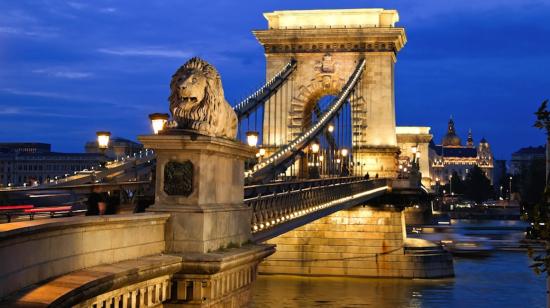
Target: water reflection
point(290, 291)
point(502, 280)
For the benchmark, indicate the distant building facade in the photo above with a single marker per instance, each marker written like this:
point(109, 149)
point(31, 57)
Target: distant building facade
point(524, 157)
point(451, 156)
point(34, 163)
point(118, 147)
point(413, 142)
point(528, 169)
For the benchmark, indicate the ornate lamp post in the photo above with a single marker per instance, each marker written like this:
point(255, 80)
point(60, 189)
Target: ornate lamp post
point(158, 121)
point(252, 138)
point(451, 184)
point(261, 154)
point(103, 138)
point(314, 170)
point(321, 167)
point(344, 168)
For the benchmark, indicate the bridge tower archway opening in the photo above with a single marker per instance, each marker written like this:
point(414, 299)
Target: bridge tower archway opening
point(333, 152)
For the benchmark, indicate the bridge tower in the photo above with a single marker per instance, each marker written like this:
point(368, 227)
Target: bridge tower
point(327, 45)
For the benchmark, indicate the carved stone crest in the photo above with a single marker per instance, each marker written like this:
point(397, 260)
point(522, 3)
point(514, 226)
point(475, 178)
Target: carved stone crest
point(326, 66)
point(178, 178)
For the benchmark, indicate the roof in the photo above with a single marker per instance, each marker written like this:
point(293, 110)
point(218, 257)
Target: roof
point(454, 151)
point(531, 150)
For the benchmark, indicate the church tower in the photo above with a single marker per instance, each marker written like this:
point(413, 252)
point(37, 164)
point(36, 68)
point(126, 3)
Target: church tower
point(470, 142)
point(451, 139)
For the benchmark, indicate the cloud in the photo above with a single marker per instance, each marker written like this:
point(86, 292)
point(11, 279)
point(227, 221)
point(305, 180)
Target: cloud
point(56, 95)
point(146, 52)
point(9, 110)
point(77, 5)
point(63, 73)
point(85, 6)
point(33, 32)
point(74, 98)
point(108, 10)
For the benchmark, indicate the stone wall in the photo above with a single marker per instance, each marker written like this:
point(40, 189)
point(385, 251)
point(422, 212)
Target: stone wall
point(362, 241)
point(34, 251)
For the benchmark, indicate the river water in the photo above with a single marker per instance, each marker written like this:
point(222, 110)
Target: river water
point(503, 279)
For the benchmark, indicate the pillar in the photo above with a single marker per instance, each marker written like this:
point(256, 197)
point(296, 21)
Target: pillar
point(200, 182)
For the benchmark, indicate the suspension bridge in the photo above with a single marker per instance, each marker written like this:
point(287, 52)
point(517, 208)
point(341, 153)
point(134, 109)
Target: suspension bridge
point(318, 179)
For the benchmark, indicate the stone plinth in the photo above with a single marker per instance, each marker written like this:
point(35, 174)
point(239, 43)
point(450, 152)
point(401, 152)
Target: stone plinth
point(362, 242)
point(221, 279)
point(200, 181)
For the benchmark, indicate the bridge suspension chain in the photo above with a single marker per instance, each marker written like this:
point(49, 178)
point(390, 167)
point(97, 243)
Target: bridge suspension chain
point(260, 96)
point(280, 160)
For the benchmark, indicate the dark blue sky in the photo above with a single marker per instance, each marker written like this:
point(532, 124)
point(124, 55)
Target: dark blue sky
point(70, 68)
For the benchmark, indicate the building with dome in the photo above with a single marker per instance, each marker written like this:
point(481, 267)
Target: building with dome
point(452, 156)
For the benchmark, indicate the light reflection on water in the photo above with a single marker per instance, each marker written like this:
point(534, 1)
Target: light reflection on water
point(501, 280)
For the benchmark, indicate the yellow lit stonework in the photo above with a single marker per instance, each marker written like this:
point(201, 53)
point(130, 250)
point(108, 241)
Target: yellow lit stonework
point(332, 18)
point(327, 45)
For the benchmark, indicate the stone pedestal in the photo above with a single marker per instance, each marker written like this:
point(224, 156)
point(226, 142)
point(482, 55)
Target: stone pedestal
point(200, 181)
point(221, 279)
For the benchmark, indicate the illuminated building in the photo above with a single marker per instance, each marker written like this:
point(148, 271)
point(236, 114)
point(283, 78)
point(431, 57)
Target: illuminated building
point(451, 156)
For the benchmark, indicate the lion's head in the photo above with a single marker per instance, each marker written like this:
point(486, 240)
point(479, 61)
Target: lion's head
point(197, 100)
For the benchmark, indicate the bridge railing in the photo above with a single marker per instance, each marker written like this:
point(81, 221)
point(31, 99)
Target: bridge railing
point(281, 202)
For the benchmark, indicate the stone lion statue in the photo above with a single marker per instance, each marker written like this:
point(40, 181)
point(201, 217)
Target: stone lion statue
point(197, 101)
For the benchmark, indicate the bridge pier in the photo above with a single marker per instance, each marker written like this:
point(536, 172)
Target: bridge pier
point(199, 181)
point(364, 241)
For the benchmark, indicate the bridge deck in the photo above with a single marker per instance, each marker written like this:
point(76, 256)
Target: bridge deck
point(282, 207)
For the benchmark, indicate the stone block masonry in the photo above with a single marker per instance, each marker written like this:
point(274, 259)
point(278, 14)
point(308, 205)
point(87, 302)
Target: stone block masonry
point(362, 241)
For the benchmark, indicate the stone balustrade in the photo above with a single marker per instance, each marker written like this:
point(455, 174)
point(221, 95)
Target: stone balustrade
point(34, 251)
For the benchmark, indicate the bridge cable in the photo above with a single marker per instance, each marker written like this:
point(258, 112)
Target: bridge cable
point(287, 154)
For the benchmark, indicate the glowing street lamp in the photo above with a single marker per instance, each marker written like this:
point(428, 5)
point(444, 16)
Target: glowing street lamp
point(252, 138)
point(103, 140)
point(158, 121)
point(344, 152)
point(330, 128)
point(315, 148)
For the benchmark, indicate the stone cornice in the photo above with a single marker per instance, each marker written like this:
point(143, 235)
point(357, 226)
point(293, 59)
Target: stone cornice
point(195, 143)
point(324, 40)
point(412, 138)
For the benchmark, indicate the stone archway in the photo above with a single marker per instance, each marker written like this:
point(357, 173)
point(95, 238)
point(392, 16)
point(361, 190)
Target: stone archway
point(307, 96)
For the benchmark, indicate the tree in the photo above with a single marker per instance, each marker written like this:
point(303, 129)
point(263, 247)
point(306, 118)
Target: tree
point(543, 122)
point(539, 215)
point(457, 183)
point(477, 186)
